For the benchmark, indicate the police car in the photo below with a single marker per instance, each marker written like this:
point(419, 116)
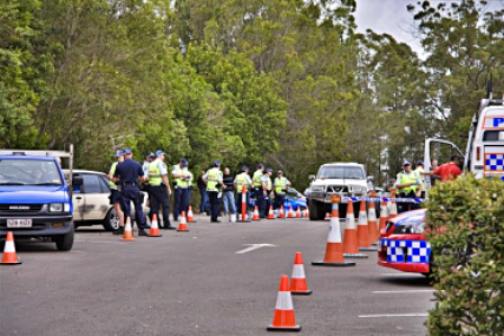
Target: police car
point(403, 244)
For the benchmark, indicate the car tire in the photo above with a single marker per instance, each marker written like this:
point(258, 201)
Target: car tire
point(316, 210)
point(65, 242)
point(111, 221)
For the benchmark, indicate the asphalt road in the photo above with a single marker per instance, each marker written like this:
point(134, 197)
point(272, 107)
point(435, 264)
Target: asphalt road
point(196, 284)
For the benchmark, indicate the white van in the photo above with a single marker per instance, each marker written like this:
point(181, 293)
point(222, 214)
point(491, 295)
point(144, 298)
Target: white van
point(484, 155)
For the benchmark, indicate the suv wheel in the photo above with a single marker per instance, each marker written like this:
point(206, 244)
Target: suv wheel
point(316, 210)
point(111, 221)
point(64, 242)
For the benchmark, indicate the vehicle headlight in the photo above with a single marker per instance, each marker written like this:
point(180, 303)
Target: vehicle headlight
point(56, 207)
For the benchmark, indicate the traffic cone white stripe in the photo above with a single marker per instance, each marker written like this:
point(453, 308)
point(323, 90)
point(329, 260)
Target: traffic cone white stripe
point(372, 215)
point(284, 301)
point(334, 232)
point(9, 247)
point(298, 272)
point(362, 218)
point(350, 222)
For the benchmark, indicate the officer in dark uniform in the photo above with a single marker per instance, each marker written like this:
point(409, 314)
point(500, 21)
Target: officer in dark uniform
point(129, 172)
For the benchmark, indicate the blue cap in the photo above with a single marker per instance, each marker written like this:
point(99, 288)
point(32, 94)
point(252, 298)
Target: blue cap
point(216, 163)
point(151, 155)
point(119, 153)
point(127, 151)
point(406, 163)
point(184, 162)
point(159, 152)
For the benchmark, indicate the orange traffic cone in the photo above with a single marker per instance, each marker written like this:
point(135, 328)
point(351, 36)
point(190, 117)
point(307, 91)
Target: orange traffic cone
point(290, 213)
point(128, 230)
point(271, 215)
point(284, 318)
point(350, 241)
point(281, 213)
point(383, 216)
point(190, 215)
point(182, 227)
point(372, 222)
point(255, 215)
point(154, 228)
point(334, 248)
point(307, 213)
point(298, 213)
point(363, 229)
point(9, 254)
point(298, 284)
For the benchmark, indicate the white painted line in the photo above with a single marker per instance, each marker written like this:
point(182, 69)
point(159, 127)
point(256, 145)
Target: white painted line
point(253, 247)
point(394, 315)
point(405, 291)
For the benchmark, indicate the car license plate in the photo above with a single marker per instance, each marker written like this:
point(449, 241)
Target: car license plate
point(19, 223)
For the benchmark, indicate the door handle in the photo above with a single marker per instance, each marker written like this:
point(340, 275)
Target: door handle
point(79, 197)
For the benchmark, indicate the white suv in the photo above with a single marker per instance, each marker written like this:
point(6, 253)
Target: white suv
point(339, 178)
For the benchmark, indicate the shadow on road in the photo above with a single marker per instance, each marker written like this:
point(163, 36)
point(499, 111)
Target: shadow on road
point(407, 281)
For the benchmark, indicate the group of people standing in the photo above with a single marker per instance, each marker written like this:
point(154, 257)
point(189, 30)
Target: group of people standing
point(127, 180)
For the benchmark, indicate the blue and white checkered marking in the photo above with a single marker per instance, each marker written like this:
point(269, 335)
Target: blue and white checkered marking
point(412, 251)
point(494, 162)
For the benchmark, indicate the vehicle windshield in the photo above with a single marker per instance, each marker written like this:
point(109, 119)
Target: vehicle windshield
point(29, 172)
point(341, 172)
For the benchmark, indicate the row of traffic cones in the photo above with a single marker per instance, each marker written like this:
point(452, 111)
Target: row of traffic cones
point(284, 317)
point(360, 236)
point(154, 228)
point(281, 213)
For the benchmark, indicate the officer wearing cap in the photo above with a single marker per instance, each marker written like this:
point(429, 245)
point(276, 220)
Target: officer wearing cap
point(264, 196)
point(115, 194)
point(159, 189)
point(281, 184)
point(129, 174)
point(407, 183)
point(214, 181)
point(242, 180)
point(183, 187)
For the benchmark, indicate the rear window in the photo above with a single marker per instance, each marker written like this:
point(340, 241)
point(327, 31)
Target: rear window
point(493, 136)
point(29, 172)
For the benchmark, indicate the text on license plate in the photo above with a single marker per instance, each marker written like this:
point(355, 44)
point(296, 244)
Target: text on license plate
point(19, 223)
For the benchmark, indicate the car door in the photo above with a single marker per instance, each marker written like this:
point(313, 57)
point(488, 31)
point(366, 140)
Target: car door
point(436, 149)
point(96, 195)
point(79, 201)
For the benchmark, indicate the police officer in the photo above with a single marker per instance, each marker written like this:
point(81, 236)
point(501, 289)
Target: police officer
point(129, 174)
point(115, 194)
point(256, 183)
point(159, 189)
point(264, 195)
point(183, 187)
point(281, 184)
point(407, 183)
point(242, 180)
point(214, 181)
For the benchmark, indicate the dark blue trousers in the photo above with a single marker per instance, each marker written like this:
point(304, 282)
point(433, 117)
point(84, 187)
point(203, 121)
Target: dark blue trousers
point(131, 193)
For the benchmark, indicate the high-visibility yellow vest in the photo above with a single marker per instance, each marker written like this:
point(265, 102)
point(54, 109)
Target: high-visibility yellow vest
point(242, 180)
point(182, 183)
point(256, 178)
point(176, 171)
point(403, 178)
point(112, 170)
point(213, 179)
point(155, 173)
point(280, 185)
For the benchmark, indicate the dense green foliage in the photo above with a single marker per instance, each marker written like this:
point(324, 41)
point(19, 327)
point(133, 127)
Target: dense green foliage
point(469, 257)
point(286, 82)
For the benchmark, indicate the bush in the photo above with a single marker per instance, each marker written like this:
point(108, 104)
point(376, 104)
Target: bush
point(467, 221)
